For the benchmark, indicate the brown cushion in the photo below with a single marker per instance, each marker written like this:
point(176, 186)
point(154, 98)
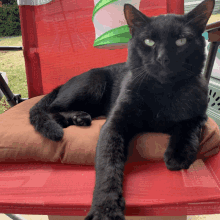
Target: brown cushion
point(19, 142)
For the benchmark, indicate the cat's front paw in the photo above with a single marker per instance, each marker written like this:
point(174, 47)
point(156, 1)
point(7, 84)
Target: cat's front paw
point(107, 209)
point(105, 215)
point(179, 161)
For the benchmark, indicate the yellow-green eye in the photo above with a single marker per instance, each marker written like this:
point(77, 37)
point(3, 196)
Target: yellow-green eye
point(181, 41)
point(149, 42)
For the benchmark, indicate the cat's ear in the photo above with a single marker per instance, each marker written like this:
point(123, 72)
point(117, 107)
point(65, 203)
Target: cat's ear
point(134, 17)
point(200, 15)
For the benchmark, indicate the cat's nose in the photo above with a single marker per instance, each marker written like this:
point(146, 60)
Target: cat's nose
point(163, 59)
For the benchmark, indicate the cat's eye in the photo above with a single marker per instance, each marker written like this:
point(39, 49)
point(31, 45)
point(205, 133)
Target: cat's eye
point(149, 42)
point(181, 42)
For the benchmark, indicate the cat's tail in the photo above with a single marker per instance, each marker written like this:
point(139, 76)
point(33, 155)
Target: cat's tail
point(43, 121)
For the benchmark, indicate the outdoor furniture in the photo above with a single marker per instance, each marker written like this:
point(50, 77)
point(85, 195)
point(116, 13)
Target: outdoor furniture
point(11, 98)
point(58, 42)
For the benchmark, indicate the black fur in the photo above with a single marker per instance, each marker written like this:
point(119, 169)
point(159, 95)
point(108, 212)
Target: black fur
point(159, 89)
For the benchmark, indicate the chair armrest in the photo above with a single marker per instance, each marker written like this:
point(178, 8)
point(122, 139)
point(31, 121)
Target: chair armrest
point(213, 30)
point(213, 26)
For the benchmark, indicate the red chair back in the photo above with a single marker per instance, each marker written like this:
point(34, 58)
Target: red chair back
point(58, 40)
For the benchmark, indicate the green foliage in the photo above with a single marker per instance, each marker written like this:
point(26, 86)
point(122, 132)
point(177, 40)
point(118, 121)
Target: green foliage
point(10, 2)
point(9, 19)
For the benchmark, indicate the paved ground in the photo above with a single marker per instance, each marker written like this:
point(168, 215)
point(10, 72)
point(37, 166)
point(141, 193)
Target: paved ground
point(45, 217)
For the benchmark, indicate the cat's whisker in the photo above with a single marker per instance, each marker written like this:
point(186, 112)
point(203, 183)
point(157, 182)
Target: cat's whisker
point(144, 75)
point(142, 70)
point(189, 64)
point(137, 68)
point(189, 71)
point(138, 77)
point(141, 67)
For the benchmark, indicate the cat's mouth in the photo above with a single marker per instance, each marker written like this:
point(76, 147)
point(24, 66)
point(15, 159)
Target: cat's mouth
point(159, 69)
point(163, 74)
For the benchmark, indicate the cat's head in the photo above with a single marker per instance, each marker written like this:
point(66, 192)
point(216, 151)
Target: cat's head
point(168, 44)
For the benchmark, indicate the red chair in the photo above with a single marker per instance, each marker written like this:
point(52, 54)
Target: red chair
point(58, 42)
point(58, 38)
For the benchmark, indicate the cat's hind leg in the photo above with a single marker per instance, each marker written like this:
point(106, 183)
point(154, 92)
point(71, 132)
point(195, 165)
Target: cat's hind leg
point(83, 93)
point(83, 97)
point(43, 121)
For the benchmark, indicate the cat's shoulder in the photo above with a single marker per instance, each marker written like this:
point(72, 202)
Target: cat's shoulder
point(194, 83)
point(116, 67)
point(199, 83)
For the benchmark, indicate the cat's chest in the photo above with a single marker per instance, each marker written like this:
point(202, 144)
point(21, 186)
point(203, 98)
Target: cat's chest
point(173, 104)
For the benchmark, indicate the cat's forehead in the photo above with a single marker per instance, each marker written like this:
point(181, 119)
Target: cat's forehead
point(168, 25)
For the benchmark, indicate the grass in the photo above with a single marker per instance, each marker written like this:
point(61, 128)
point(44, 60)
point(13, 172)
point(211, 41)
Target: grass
point(13, 64)
point(214, 18)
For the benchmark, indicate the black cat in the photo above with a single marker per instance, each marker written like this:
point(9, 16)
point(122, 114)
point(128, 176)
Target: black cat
point(159, 89)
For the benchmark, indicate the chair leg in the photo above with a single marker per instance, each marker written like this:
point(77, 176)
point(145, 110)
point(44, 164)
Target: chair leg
point(15, 217)
point(12, 99)
point(211, 59)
